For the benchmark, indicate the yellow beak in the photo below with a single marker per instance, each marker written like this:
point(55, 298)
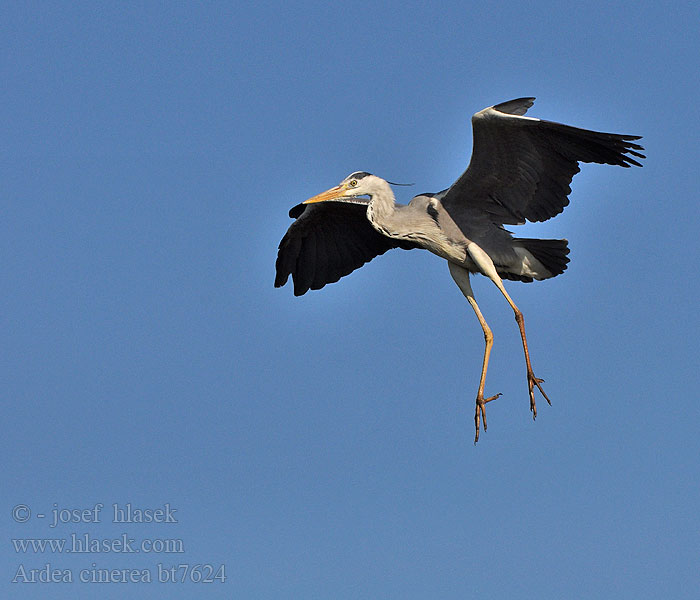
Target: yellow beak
point(337, 192)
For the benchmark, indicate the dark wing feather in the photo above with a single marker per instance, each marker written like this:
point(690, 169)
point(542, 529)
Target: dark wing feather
point(327, 241)
point(521, 167)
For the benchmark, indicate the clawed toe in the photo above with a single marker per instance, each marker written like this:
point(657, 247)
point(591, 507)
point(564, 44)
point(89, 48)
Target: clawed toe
point(480, 413)
point(533, 381)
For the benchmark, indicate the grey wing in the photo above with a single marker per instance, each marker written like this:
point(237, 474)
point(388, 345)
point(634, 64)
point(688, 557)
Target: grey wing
point(328, 241)
point(521, 167)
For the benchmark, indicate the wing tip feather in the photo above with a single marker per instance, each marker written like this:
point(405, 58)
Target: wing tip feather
point(518, 106)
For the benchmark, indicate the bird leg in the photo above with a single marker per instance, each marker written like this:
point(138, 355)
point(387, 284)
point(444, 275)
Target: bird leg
point(532, 381)
point(487, 267)
point(461, 277)
point(480, 400)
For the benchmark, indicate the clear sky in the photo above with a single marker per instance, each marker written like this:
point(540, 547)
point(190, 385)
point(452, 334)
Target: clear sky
point(321, 447)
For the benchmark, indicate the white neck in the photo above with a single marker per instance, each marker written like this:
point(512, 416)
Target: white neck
point(382, 205)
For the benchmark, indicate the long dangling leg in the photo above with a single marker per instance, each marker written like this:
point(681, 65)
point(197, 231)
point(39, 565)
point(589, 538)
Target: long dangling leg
point(461, 277)
point(485, 263)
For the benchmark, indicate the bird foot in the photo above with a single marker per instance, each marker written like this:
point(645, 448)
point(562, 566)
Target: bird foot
point(481, 413)
point(533, 381)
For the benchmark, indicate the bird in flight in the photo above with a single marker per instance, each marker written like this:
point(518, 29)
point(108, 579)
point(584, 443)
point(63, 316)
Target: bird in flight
point(520, 170)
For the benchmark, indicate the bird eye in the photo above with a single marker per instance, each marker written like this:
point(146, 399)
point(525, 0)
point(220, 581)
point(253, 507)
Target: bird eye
point(352, 182)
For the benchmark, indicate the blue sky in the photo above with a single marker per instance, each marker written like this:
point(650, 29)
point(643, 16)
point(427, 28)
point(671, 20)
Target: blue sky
point(321, 447)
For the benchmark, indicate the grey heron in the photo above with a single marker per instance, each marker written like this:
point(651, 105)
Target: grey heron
point(520, 170)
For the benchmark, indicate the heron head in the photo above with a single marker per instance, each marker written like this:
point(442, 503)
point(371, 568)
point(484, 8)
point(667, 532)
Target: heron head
point(351, 189)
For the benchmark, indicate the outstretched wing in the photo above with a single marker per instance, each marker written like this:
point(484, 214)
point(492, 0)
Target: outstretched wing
point(328, 241)
point(521, 167)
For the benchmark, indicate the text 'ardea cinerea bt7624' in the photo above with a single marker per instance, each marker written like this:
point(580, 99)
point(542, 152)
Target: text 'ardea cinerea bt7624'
point(520, 170)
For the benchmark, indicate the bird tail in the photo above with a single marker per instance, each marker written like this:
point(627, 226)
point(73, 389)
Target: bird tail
point(538, 259)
